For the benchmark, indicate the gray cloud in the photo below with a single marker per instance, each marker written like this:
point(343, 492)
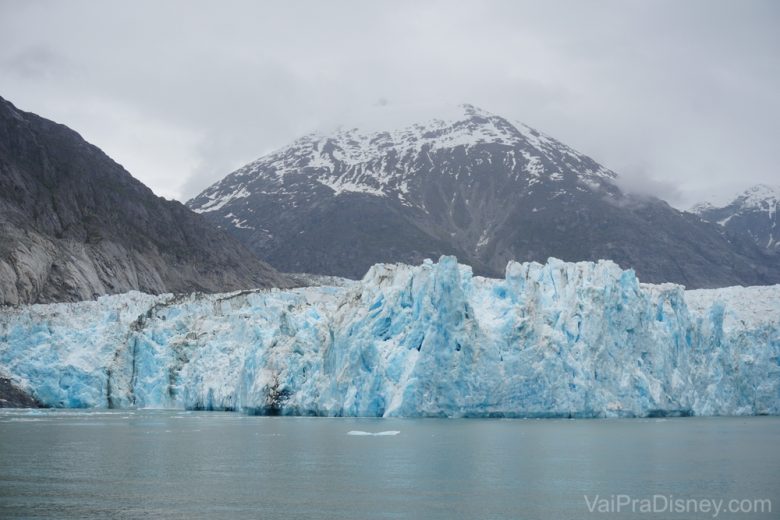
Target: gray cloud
point(638, 179)
point(35, 63)
point(181, 92)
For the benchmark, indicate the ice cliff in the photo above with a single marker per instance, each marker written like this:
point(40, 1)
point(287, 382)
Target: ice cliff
point(555, 340)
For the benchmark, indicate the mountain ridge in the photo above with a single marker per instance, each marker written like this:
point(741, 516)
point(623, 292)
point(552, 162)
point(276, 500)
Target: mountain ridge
point(75, 224)
point(753, 213)
point(354, 151)
point(475, 185)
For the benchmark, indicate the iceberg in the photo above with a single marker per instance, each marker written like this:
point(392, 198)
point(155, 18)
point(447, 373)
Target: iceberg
point(558, 339)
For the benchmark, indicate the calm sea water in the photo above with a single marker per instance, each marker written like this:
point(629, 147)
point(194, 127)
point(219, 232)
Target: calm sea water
point(145, 464)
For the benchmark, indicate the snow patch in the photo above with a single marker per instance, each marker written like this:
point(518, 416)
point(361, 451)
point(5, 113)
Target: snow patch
point(217, 203)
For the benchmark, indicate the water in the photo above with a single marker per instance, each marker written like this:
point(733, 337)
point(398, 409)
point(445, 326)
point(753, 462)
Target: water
point(145, 464)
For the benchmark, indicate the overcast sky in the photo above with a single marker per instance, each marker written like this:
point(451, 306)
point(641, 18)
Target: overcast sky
point(679, 97)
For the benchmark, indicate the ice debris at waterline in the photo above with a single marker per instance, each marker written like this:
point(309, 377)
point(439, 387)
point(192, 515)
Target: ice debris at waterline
point(556, 340)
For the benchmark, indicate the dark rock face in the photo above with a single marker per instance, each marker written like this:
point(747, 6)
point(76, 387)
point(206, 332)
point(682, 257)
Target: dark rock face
point(11, 396)
point(74, 225)
point(752, 215)
point(476, 186)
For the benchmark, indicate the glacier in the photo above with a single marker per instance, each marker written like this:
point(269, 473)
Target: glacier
point(558, 339)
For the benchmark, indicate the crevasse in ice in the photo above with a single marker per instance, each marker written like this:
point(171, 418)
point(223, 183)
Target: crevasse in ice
point(556, 340)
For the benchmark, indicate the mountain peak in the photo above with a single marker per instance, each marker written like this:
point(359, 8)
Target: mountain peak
point(400, 121)
point(752, 213)
point(404, 120)
point(391, 161)
point(458, 180)
point(470, 110)
point(760, 196)
point(701, 207)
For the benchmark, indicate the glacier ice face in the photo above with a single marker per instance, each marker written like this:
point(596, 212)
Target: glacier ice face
point(555, 340)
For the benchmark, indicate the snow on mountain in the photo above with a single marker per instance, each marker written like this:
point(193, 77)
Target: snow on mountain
point(384, 163)
point(467, 183)
point(753, 213)
point(554, 340)
point(701, 207)
point(762, 197)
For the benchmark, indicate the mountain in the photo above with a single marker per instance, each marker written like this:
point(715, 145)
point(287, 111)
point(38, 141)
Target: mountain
point(471, 184)
point(74, 225)
point(553, 340)
point(753, 213)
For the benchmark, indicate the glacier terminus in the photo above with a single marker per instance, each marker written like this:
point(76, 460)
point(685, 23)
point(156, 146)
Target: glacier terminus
point(548, 340)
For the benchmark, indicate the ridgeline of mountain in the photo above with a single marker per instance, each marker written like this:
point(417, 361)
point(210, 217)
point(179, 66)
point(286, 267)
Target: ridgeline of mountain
point(753, 213)
point(74, 225)
point(474, 185)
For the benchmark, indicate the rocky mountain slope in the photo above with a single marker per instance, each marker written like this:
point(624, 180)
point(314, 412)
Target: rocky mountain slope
point(471, 184)
point(74, 224)
point(753, 213)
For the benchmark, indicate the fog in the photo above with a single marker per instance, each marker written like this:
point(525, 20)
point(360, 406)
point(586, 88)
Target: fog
point(680, 98)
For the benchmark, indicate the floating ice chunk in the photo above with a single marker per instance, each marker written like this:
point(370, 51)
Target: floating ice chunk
point(374, 434)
